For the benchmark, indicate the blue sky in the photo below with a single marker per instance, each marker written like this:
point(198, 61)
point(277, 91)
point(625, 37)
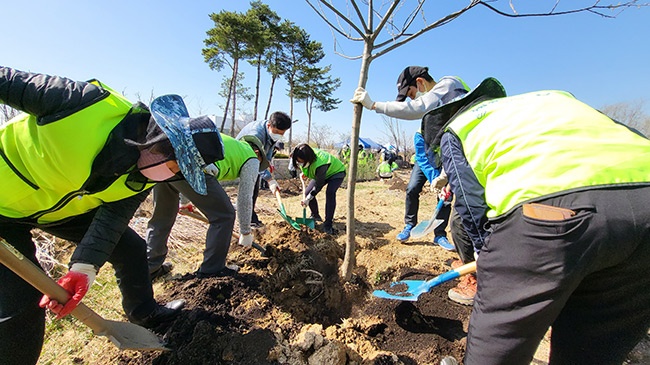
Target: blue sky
point(145, 46)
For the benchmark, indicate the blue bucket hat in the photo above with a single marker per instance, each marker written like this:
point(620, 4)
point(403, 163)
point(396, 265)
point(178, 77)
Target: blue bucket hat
point(196, 141)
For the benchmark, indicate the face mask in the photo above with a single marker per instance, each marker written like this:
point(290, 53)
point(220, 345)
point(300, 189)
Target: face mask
point(159, 172)
point(419, 93)
point(276, 137)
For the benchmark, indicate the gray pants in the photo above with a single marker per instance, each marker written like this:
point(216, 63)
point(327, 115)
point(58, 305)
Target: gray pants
point(215, 205)
point(586, 276)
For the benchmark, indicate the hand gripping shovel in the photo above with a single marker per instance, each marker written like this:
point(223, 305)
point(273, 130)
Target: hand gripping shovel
point(283, 212)
point(124, 335)
point(194, 213)
point(410, 290)
point(425, 227)
point(304, 220)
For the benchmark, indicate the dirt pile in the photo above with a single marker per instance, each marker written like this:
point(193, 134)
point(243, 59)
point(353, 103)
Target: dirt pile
point(291, 308)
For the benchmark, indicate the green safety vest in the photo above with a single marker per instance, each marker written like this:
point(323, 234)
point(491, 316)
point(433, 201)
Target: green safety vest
point(44, 167)
point(323, 158)
point(526, 147)
point(236, 153)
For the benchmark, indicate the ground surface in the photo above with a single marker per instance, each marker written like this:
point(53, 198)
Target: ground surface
point(291, 307)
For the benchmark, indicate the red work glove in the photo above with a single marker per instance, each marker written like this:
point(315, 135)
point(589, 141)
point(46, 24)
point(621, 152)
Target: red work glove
point(189, 207)
point(76, 282)
point(445, 193)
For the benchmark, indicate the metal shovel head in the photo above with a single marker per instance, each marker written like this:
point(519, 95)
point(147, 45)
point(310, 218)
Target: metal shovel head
point(306, 221)
point(284, 215)
point(425, 227)
point(129, 336)
point(410, 290)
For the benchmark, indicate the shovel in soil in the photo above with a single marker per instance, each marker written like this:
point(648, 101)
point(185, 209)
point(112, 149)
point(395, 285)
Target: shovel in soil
point(194, 213)
point(283, 212)
point(304, 220)
point(124, 335)
point(410, 290)
point(425, 227)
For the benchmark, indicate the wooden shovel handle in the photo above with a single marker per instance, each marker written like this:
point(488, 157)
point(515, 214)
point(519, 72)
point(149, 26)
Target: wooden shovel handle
point(277, 196)
point(23, 267)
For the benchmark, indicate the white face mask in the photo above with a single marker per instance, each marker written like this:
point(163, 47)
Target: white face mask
point(274, 136)
point(420, 93)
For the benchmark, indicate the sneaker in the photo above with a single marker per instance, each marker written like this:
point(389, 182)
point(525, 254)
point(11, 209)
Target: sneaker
point(465, 291)
point(443, 242)
point(257, 225)
point(329, 230)
point(315, 218)
point(160, 314)
point(455, 264)
point(228, 270)
point(449, 360)
point(163, 270)
point(405, 234)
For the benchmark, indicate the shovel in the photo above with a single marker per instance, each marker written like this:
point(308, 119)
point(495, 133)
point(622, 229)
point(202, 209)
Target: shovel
point(197, 215)
point(304, 220)
point(283, 212)
point(425, 227)
point(124, 335)
point(410, 290)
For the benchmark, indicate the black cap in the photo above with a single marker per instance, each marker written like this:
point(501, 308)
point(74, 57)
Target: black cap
point(407, 78)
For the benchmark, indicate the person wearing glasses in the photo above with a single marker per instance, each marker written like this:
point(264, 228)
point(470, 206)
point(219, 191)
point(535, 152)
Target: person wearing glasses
point(77, 163)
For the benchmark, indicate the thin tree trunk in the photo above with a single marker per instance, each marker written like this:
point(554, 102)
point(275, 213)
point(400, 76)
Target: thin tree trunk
point(308, 107)
point(234, 96)
point(225, 110)
point(349, 261)
point(291, 114)
point(268, 106)
point(257, 85)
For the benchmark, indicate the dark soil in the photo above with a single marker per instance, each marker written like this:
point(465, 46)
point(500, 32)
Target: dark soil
point(276, 310)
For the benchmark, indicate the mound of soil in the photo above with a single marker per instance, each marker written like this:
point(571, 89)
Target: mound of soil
point(291, 308)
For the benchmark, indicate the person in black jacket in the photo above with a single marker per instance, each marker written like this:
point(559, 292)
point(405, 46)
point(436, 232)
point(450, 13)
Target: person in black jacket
point(77, 164)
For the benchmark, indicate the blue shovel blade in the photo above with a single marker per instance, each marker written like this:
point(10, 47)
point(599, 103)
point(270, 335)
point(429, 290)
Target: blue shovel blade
point(410, 290)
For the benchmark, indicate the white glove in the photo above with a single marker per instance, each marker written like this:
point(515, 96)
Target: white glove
point(87, 269)
point(361, 96)
point(440, 181)
point(211, 169)
point(307, 199)
point(246, 240)
point(273, 186)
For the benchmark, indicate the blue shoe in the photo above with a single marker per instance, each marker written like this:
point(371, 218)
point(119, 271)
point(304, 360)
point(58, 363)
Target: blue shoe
point(405, 234)
point(443, 242)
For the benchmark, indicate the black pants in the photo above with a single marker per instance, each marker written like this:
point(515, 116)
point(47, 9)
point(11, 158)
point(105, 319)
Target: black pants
point(586, 276)
point(330, 200)
point(256, 192)
point(413, 190)
point(22, 321)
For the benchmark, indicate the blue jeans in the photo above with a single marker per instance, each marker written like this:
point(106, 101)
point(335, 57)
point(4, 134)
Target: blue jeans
point(413, 190)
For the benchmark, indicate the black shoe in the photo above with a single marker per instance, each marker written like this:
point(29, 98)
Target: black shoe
point(161, 314)
point(316, 218)
point(329, 230)
point(228, 270)
point(163, 270)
